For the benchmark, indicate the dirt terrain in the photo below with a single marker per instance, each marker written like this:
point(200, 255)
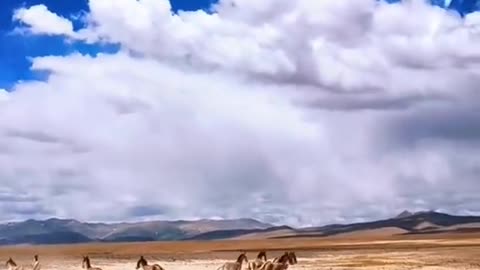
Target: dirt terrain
point(446, 252)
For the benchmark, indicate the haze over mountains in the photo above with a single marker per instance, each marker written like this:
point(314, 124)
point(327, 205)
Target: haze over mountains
point(56, 231)
point(65, 231)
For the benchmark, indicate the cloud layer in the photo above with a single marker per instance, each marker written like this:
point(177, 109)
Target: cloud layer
point(300, 112)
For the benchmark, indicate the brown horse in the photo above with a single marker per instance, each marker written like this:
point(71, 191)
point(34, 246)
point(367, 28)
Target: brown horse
point(259, 261)
point(291, 254)
point(145, 266)
point(237, 265)
point(293, 257)
point(12, 265)
point(280, 263)
point(86, 264)
point(36, 264)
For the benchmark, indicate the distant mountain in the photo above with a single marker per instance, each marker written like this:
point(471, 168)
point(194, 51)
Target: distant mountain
point(60, 237)
point(59, 231)
point(404, 214)
point(64, 231)
point(406, 223)
point(227, 234)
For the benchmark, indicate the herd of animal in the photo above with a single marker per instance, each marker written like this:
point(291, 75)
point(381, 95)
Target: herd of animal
point(260, 263)
point(11, 265)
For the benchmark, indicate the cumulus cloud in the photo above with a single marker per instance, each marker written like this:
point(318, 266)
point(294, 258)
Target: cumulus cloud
point(3, 94)
point(40, 20)
point(301, 112)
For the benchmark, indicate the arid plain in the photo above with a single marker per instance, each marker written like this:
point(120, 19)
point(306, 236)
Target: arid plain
point(445, 251)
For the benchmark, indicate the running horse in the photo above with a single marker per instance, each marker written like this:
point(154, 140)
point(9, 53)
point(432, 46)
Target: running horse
point(145, 266)
point(86, 264)
point(293, 257)
point(259, 261)
point(291, 254)
point(280, 263)
point(11, 265)
point(237, 265)
point(36, 263)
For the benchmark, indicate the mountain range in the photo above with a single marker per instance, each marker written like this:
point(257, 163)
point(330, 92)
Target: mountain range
point(59, 231)
point(69, 231)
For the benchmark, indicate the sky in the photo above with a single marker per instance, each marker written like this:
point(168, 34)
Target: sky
point(291, 112)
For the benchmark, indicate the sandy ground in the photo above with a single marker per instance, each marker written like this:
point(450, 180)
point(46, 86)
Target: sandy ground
point(433, 254)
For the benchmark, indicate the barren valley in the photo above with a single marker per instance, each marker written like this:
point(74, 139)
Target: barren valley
point(368, 252)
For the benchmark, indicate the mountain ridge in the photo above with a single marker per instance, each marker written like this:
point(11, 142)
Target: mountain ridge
point(438, 223)
point(33, 231)
point(71, 231)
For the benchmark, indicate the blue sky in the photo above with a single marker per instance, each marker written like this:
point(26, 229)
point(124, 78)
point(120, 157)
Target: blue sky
point(15, 49)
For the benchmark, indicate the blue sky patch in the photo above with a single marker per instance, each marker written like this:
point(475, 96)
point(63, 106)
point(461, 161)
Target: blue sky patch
point(16, 49)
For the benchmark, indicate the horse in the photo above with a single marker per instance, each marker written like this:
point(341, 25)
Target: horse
point(293, 257)
point(86, 264)
point(36, 263)
point(259, 261)
point(145, 266)
point(280, 263)
point(289, 253)
point(237, 265)
point(11, 265)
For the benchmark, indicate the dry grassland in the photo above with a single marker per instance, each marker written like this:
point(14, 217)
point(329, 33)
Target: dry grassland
point(445, 252)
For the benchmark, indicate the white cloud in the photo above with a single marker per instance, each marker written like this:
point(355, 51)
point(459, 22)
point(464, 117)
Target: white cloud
point(40, 20)
point(3, 94)
point(354, 40)
point(322, 110)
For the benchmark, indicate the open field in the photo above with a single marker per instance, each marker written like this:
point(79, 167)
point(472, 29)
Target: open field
point(394, 253)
